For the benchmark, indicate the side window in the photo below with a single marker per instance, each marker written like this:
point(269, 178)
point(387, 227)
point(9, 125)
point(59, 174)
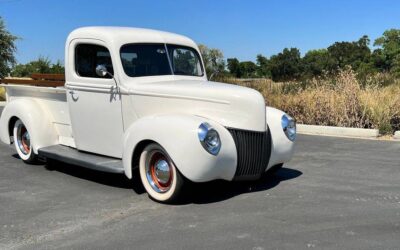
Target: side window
point(88, 56)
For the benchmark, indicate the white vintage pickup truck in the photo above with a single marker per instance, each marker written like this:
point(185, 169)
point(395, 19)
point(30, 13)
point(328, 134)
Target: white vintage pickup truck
point(139, 100)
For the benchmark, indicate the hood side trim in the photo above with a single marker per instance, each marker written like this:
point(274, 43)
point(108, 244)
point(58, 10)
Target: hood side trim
point(132, 92)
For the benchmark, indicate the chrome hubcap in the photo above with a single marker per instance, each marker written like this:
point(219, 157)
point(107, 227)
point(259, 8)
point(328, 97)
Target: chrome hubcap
point(162, 171)
point(159, 172)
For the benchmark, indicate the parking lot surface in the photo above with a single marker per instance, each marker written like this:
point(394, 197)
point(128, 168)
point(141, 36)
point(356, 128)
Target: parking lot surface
point(336, 193)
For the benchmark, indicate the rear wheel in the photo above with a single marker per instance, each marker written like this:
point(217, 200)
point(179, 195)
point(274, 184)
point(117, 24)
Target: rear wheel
point(158, 173)
point(23, 143)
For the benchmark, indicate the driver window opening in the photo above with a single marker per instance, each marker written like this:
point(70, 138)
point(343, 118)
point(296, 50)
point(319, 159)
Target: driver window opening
point(88, 57)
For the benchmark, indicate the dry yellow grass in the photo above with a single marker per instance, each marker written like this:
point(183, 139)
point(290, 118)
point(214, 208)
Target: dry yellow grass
point(382, 106)
point(2, 94)
point(335, 101)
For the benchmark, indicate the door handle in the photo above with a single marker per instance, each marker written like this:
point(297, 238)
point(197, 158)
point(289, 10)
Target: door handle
point(74, 96)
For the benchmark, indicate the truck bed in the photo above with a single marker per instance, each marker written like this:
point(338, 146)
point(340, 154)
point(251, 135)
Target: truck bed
point(39, 80)
point(48, 91)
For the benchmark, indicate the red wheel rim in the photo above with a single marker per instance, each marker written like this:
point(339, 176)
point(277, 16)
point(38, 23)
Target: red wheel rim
point(159, 172)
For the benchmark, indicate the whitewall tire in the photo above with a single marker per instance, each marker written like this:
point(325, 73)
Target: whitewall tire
point(160, 177)
point(23, 143)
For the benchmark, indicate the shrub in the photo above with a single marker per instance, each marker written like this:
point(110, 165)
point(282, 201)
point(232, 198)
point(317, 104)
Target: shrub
point(382, 107)
point(340, 100)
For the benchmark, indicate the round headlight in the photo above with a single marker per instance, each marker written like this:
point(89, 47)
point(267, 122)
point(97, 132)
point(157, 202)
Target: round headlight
point(209, 138)
point(289, 127)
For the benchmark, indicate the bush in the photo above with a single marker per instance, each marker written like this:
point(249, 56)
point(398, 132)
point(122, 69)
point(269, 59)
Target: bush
point(341, 100)
point(382, 107)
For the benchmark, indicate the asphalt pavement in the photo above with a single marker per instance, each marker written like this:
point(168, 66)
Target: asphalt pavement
point(336, 193)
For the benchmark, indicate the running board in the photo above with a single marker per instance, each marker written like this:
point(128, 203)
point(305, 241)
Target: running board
point(87, 160)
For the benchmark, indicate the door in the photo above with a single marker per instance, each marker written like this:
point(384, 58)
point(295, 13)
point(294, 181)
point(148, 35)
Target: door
point(94, 104)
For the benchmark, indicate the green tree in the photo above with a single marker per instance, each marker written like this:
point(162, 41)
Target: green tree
point(350, 54)
point(213, 59)
point(286, 65)
point(263, 66)
point(248, 69)
point(42, 65)
point(234, 67)
point(58, 68)
point(315, 62)
point(388, 55)
point(7, 50)
point(379, 60)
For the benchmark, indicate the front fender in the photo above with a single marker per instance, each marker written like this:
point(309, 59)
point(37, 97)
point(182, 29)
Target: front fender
point(282, 148)
point(177, 134)
point(35, 118)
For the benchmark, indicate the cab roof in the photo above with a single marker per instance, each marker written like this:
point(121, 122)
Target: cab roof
point(122, 35)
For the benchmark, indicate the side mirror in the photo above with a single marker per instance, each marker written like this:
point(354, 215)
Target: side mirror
point(101, 71)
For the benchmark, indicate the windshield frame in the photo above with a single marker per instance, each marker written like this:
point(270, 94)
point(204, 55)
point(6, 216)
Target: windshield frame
point(165, 45)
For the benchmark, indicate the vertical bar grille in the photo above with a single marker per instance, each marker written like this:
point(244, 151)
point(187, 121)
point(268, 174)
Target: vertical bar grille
point(253, 151)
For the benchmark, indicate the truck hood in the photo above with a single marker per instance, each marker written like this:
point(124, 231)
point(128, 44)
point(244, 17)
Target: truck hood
point(230, 105)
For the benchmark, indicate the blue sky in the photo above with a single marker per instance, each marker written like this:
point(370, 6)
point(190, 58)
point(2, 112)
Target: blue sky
point(240, 29)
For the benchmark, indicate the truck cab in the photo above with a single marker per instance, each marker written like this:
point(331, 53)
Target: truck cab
point(140, 99)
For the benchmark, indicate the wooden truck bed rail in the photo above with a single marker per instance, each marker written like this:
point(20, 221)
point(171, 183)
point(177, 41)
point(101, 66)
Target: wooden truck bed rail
point(39, 80)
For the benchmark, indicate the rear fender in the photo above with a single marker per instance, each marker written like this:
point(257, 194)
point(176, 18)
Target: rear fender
point(35, 118)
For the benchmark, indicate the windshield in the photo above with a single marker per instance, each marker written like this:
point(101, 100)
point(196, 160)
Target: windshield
point(160, 59)
point(185, 61)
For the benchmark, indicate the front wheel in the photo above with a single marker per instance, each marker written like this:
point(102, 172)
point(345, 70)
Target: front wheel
point(23, 143)
point(161, 179)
